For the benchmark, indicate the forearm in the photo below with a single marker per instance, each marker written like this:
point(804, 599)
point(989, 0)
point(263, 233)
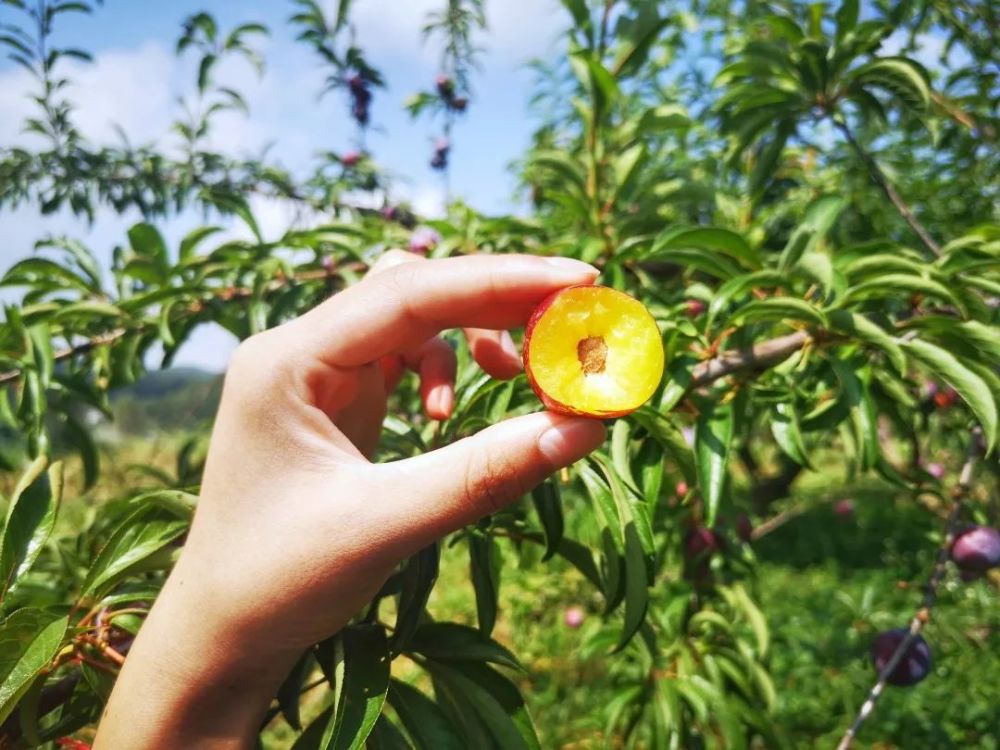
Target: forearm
point(190, 680)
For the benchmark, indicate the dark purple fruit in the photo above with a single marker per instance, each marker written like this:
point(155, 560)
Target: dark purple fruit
point(445, 86)
point(977, 549)
point(699, 542)
point(458, 103)
point(912, 668)
point(744, 528)
point(360, 113)
point(356, 83)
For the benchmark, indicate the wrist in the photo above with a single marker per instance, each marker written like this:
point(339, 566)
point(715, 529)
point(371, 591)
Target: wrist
point(195, 676)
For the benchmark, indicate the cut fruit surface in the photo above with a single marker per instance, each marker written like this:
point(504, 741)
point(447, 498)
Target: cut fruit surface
point(593, 350)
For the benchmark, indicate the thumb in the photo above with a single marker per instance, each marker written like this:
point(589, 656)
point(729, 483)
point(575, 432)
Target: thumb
point(453, 486)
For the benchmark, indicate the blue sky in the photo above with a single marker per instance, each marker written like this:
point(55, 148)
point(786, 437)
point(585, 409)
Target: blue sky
point(135, 81)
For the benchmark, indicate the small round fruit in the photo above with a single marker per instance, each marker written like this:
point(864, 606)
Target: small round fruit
point(681, 489)
point(695, 307)
point(424, 240)
point(744, 528)
point(937, 471)
point(593, 351)
point(914, 665)
point(573, 617)
point(700, 542)
point(844, 508)
point(977, 549)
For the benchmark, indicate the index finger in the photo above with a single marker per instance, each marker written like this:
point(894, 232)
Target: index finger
point(405, 305)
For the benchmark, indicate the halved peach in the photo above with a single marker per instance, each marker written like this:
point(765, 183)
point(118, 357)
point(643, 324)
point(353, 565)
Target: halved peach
point(593, 351)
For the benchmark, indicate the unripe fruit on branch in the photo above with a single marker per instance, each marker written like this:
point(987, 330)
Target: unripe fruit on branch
point(445, 86)
point(977, 549)
point(593, 351)
point(695, 307)
point(945, 398)
point(424, 240)
point(912, 668)
point(356, 83)
point(744, 528)
point(573, 617)
point(700, 542)
point(682, 489)
point(441, 149)
point(844, 508)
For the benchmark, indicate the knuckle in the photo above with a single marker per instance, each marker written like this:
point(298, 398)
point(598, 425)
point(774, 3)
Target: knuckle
point(492, 485)
point(256, 364)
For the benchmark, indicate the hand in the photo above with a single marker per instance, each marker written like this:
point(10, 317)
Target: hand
point(295, 529)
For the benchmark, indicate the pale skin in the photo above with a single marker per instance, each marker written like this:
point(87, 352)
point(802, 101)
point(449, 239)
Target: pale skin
point(296, 529)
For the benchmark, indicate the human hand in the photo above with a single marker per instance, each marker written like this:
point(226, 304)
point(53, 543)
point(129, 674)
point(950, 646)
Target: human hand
point(296, 530)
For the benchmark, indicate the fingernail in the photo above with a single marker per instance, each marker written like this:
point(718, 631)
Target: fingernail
point(441, 401)
point(508, 346)
point(570, 440)
point(572, 266)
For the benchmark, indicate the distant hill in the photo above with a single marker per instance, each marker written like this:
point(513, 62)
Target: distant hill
point(180, 398)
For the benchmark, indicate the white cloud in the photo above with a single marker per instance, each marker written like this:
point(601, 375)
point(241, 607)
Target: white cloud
point(518, 29)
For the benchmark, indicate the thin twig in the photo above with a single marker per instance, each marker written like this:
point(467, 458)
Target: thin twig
point(890, 192)
point(923, 614)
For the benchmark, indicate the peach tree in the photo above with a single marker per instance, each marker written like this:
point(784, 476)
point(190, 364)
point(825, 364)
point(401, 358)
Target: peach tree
point(811, 222)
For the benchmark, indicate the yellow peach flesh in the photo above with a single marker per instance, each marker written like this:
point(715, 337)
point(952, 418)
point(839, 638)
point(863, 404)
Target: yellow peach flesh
point(595, 351)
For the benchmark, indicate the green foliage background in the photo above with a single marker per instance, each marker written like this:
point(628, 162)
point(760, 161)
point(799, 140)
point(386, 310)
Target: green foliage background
point(816, 233)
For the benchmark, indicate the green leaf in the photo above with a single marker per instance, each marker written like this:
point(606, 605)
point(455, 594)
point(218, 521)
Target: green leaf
point(712, 440)
point(636, 585)
point(891, 284)
point(720, 241)
point(288, 693)
point(446, 641)
point(847, 17)
point(194, 238)
point(137, 542)
point(493, 698)
point(418, 579)
point(425, 722)
point(901, 76)
point(778, 309)
point(818, 221)
point(366, 682)
point(972, 388)
point(635, 48)
point(858, 326)
point(669, 436)
point(147, 242)
point(739, 286)
point(31, 517)
point(548, 506)
point(484, 562)
point(29, 641)
point(787, 434)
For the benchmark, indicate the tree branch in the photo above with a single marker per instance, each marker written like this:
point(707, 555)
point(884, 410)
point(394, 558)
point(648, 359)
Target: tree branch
point(890, 192)
point(227, 293)
point(757, 357)
point(923, 614)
